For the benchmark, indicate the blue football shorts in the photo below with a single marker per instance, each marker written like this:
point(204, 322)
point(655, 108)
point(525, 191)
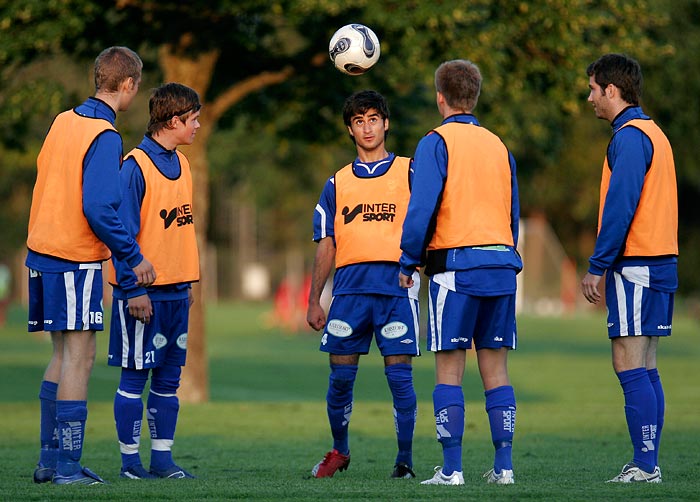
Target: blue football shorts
point(135, 345)
point(66, 301)
point(635, 309)
point(455, 319)
point(353, 320)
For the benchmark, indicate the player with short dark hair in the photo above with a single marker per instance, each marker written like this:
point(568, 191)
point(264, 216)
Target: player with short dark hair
point(636, 250)
point(462, 223)
point(73, 227)
point(357, 225)
point(148, 332)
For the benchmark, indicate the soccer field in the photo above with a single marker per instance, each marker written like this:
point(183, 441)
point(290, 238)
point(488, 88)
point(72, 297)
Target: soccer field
point(265, 426)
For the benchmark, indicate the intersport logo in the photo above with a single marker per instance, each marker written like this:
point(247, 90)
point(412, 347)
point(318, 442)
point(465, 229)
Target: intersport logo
point(181, 214)
point(378, 211)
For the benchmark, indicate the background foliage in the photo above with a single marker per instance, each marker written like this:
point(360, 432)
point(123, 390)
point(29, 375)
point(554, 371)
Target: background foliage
point(272, 100)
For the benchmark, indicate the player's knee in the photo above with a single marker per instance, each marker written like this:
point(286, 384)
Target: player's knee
point(342, 378)
point(166, 379)
point(133, 381)
point(400, 380)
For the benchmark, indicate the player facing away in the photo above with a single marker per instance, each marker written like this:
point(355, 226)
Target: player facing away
point(464, 212)
point(357, 225)
point(148, 332)
point(637, 250)
point(73, 227)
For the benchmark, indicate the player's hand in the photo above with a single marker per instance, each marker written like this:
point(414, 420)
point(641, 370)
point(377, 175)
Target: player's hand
point(141, 308)
point(405, 281)
point(589, 287)
point(190, 297)
point(145, 273)
point(316, 317)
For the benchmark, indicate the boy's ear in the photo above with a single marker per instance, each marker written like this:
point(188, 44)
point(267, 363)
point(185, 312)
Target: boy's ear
point(127, 84)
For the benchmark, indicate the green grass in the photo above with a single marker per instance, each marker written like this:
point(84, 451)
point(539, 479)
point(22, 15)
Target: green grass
point(265, 426)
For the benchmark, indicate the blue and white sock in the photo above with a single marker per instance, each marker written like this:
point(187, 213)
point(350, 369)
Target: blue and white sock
point(48, 429)
point(400, 379)
point(128, 415)
point(655, 380)
point(163, 409)
point(339, 403)
point(500, 408)
point(71, 417)
point(641, 413)
point(448, 403)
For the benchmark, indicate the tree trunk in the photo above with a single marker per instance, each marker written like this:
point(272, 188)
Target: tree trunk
point(195, 71)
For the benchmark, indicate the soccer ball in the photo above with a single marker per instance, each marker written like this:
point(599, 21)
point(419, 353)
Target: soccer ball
point(354, 49)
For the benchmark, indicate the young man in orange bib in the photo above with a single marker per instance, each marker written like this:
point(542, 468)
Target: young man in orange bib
point(637, 251)
point(463, 217)
point(73, 228)
point(357, 225)
point(148, 332)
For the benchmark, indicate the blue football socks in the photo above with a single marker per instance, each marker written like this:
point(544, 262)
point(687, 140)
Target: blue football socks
point(48, 431)
point(339, 403)
point(641, 413)
point(163, 409)
point(500, 408)
point(71, 417)
point(448, 403)
point(400, 379)
point(128, 414)
point(660, 409)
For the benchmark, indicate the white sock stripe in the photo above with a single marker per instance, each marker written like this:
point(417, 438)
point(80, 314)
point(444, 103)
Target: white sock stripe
point(128, 395)
point(161, 444)
point(129, 449)
point(162, 395)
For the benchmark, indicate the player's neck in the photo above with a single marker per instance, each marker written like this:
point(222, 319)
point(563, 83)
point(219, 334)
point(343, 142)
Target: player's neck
point(165, 140)
point(111, 99)
point(373, 155)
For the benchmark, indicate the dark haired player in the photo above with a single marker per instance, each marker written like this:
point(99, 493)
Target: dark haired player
point(357, 225)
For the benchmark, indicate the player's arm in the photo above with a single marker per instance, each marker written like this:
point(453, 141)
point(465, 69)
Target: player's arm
point(514, 201)
point(629, 156)
point(129, 213)
point(324, 261)
point(323, 264)
point(430, 170)
point(101, 200)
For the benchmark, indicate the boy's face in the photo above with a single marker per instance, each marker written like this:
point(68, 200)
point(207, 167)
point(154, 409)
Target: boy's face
point(368, 129)
point(186, 131)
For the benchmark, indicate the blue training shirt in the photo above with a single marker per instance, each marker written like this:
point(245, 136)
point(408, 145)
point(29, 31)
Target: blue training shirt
point(101, 195)
point(478, 270)
point(361, 278)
